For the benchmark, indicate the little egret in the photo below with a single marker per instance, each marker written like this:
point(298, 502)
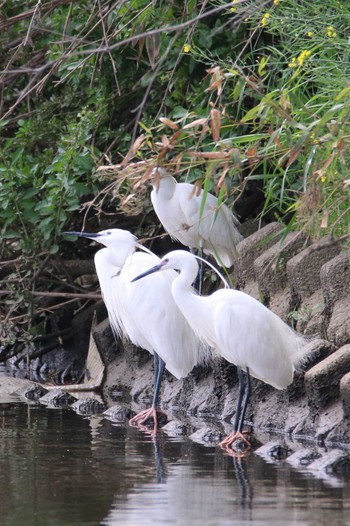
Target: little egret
point(194, 218)
point(240, 328)
point(147, 315)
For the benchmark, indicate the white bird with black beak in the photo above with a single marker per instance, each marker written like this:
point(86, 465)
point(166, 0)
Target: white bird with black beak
point(240, 328)
point(195, 218)
point(145, 313)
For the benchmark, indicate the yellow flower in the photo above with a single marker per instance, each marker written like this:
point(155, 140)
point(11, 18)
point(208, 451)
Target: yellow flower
point(310, 34)
point(304, 55)
point(276, 2)
point(323, 178)
point(300, 59)
point(331, 32)
point(186, 48)
point(233, 9)
point(265, 19)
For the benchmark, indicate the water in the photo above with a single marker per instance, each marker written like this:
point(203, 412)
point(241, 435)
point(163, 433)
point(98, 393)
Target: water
point(58, 468)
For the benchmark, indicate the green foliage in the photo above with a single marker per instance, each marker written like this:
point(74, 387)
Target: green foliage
point(283, 97)
point(94, 94)
point(40, 190)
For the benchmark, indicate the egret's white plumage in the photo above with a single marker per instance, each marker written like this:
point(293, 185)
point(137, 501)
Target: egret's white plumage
point(240, 328)
point(195, 219)
point(147, 315)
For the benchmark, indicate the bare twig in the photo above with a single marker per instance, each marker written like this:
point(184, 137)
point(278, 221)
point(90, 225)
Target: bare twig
point(4, 24)
point(74, 295)
point(36, 15)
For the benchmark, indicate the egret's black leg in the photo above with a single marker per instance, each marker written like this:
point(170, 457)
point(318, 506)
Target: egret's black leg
point(248, 391)
point(244, 393)
point(201, 269)
point(159, 366)
point(142, 418)
point(239, 401)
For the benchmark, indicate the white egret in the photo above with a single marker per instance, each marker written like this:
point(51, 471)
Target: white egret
point(147, 315)
point(240, 328)
point(194, 218)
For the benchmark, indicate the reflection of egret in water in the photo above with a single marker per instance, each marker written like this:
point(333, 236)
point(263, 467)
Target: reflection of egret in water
point(243, 483)
point(158, 459)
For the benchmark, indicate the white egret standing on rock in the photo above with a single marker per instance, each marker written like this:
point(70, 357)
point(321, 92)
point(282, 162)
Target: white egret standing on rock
point(146, 314)
point(240, 328)
point(195, 218)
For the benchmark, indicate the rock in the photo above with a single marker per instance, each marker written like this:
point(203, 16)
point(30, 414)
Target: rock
point(119, 413)
point(335, 279)
point(57, 398)
point(88, 406)
point(329, 418)
point(339, 324)
point(175, 428)
point(314, 352)
point(281, 303)
point(206, 436)
point(270, 267)
point(274, 450)
point(310, 315)
point(339, 436)
point(322, 381)
point(334, 461)
point(303, 457)
point(108, 346)
point(303, 270)
point(252, 247)
point(345, 394)
point(34, 392)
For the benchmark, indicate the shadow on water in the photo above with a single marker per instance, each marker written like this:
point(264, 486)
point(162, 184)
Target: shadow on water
point(58, 468)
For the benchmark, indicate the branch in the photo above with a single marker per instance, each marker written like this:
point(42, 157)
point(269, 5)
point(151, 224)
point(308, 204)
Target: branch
point(29, 14)
point(135, 38)
point(73, 295)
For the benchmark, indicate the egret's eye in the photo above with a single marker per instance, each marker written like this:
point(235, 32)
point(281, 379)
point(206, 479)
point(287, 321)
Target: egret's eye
point(166, 260)
point(108, 233)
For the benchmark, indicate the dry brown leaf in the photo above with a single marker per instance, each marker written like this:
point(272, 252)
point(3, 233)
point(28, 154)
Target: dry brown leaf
point(171, 124)
point(197, 122)
point(221, 180)
point(321, 172)
point(217, 77)
point(294, 154)
point(175, 136)
point(210, 155)
point(144, 178)
point(153, 43)
point(107, 167)
point(177, 161)
point(197, 188)
point(324, 220)
point(133, 150)
point(166, 142)
point(215, 124)
point(203, 133)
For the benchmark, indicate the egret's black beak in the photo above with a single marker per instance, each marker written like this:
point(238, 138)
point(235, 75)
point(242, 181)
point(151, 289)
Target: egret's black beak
point(149, 271)
point(89, 235)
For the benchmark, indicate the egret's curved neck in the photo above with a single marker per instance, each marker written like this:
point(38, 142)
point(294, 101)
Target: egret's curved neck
point(119, 253)
point(181, 287)
point(166, 187)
